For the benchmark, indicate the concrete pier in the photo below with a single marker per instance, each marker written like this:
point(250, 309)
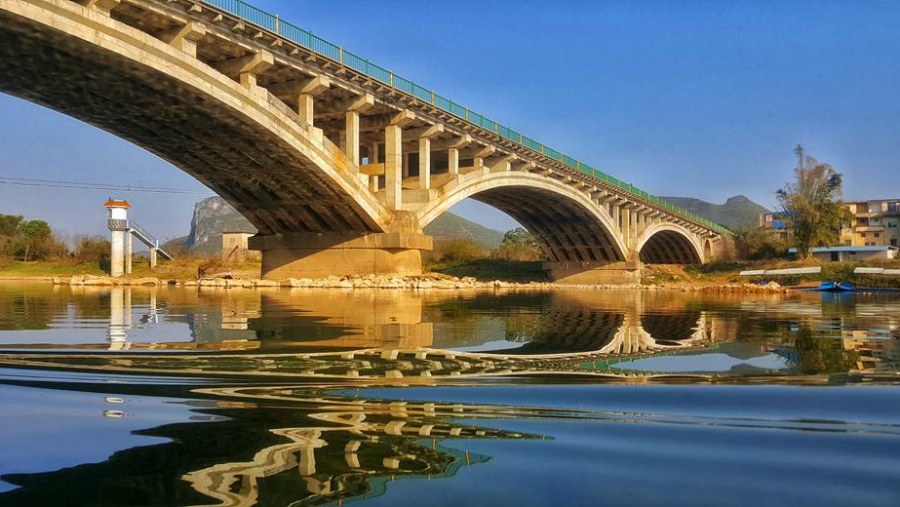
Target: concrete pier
point(594, 272)
point(327, 254)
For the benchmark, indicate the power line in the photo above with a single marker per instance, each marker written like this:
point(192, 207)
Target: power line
point(30, 182)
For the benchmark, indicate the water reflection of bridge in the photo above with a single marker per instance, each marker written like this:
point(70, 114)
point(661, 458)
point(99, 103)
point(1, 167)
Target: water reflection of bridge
point(272, 446)
point(387, 334)
point(359, 446)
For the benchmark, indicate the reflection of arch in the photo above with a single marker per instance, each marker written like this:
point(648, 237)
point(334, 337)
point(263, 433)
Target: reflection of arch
point(669, 327)
point(669, 244)
point(566, 223)
point(234, 139)
point(572, 331)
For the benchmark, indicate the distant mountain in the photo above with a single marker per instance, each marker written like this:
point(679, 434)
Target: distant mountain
point(213, 216)
point(737, 211)
point(450, 226)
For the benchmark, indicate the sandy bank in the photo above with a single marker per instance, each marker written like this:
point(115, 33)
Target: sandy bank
point(431, 281)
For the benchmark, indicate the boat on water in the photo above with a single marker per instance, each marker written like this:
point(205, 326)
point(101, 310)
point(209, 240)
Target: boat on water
point(831, 286)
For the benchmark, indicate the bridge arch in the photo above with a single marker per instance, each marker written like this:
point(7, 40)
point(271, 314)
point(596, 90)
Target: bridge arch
point(668, 328)
point(567, 224)
point(238, 140)
point(670, 244)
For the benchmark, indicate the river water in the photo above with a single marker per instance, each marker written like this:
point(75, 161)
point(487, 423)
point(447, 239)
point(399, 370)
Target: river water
point(173, 396)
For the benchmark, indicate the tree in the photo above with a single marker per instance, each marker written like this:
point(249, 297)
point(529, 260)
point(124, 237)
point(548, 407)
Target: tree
point(518, 245)
point(812, 201)
point(36, 234)
point(756, 243)
point(458, 250)
point(9, 225)
point(518, 236)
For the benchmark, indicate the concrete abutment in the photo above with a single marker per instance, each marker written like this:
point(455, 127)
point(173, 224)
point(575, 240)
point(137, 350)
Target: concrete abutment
point(594, 273)
point(319, 255)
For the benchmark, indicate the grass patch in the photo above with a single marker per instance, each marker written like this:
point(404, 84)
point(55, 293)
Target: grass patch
point(717, 267)
point(49, 268)
point(494, 269)
point(184, 268)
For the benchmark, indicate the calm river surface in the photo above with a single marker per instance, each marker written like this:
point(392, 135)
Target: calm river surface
point(174, 396)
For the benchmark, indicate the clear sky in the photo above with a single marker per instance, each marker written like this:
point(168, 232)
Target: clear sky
point(700, 99)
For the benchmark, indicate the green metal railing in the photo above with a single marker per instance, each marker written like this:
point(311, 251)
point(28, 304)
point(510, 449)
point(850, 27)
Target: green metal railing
point(308, 40)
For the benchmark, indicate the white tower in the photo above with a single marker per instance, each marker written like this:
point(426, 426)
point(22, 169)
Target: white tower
point(118, 227)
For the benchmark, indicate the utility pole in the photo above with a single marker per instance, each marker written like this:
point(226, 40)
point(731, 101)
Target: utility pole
point(800, 158)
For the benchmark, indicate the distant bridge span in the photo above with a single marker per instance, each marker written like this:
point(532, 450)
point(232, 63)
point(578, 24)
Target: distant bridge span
point(338, 162)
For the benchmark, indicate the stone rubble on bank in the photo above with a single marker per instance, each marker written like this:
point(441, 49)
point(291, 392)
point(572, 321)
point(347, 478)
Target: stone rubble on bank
point(414, 282)
point(99, 281)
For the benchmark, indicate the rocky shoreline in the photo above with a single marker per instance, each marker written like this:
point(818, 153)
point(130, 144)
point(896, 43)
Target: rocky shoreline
point(431, 281)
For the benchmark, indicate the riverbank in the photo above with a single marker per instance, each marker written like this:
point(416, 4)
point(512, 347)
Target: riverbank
point(431, 281)
point(479, 274)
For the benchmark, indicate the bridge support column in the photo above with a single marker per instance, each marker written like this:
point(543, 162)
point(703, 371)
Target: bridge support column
point(591, 273)
point(453, 161)
point(305, 109)
point(424, 163)
point(185, 38)
point(351, 136)
point(405, 169)
point(478, 160)
point(374, 158)
point(318, 255)
point(249, 67)
point(393, 166)
point(478, 166)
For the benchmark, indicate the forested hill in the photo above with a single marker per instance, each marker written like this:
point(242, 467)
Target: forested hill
point(735, 212)
point(213, 216)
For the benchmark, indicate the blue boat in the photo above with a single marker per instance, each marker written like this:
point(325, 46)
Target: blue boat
point(837, 287)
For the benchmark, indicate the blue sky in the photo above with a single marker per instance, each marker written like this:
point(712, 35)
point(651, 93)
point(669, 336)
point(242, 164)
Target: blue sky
point(701, 99)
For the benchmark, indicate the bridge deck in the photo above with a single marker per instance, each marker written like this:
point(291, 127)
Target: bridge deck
point(263, 20)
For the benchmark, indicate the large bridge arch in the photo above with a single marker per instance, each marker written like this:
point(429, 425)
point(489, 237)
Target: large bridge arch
point(665, 243)
point(569, 226)
point(235, 139)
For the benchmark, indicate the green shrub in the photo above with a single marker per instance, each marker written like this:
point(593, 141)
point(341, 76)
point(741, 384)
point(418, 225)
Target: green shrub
point(458, 250)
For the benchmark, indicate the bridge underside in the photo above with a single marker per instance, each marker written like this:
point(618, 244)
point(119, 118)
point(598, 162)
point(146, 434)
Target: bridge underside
point(669, 247)
point(182, 124)
point(565, 231)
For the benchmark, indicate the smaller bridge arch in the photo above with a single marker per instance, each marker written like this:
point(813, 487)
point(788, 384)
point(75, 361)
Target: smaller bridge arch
point(568, 225)
point(666, 243)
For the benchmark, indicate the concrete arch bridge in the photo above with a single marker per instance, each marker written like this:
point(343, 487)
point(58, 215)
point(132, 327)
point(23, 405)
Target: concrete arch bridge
point(338, 162)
